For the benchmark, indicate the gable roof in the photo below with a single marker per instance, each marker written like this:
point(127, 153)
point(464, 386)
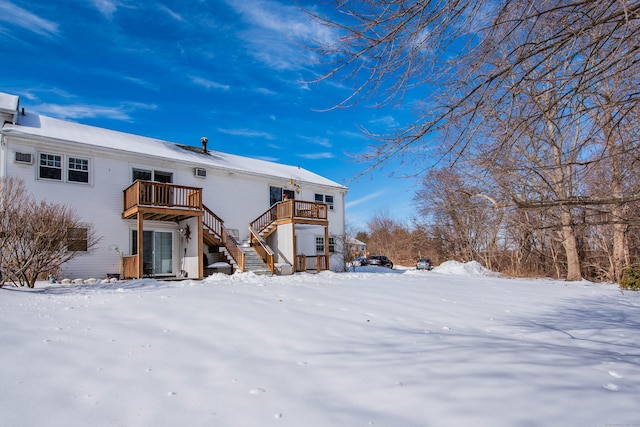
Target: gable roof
point(354, 241)
point(38, 126)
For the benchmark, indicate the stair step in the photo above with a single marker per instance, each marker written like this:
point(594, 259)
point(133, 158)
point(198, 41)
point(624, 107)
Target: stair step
point(253, 263)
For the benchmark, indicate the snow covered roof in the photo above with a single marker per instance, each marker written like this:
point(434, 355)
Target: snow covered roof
point(8, 107)
point(9, 102)
point(35, 125)
point(354, 241)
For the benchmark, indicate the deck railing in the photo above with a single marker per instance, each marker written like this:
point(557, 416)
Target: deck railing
point(291, 210)
point(130, 266)
point(298, 209)
point(149, 193)
point(310, 262)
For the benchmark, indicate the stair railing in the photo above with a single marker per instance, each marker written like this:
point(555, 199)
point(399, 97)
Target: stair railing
point(262, 249)
point(264, 220)
point(212, 223)
point(233, 248)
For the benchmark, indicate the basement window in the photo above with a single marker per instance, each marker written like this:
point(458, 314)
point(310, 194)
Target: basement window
point(77, 239)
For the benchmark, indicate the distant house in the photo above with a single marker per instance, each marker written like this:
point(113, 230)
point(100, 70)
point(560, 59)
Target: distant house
point(356, 247)
point(172, 210)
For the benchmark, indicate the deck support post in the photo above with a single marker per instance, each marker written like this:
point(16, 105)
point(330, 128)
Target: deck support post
point(140, 246)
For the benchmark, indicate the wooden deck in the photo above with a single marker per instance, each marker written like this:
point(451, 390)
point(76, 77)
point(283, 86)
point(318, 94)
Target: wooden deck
point(292, 211)
point(162, 202)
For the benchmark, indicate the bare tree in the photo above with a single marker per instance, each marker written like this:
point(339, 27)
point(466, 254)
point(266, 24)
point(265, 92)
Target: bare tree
point(14, 200)
point(389, 50)
point(389, 237)
point(538, 71)
point(467, 223)
point(38, 237)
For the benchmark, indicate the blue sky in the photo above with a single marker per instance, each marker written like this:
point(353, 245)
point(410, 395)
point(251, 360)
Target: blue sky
point(235, 71)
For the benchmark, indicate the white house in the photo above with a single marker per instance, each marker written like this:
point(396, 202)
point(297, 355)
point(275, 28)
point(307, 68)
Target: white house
point(356, 247)
point(186, 209)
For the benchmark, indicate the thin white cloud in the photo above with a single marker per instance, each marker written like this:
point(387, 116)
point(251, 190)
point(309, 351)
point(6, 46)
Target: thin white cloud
point(208, 84)
point(130, 106)
point(364, 199)
point(317, 156)
point(22, 18)
point(265, 91)
point(277, 34)
point(317, 140)
point(303, 85)
point(80, 111)
point(387, 121)
point(84, 111)
point(141, 82)
point(171, 13)
point(249, 133)
point(107, 7)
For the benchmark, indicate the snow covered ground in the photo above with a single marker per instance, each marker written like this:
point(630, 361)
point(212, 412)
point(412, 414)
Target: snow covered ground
point(456, 346)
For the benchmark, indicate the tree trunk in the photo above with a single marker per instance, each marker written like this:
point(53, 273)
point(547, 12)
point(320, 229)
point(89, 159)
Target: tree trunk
point(620, 258)
point(570, 244)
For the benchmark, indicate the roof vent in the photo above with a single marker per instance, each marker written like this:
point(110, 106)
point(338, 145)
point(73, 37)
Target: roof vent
point(204, 141)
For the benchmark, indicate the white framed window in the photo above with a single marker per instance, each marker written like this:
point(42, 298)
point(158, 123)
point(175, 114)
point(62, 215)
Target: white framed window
point(325, 198)
point(78, 170)
point(141, 174)
point(57, 167)
point(151, 175)
point(319, 245)
point(77, 239)
point(332, 244)
point(50, 166)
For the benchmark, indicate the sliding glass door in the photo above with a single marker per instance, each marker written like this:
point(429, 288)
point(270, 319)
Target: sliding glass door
point(163, 257)
point(157, 256)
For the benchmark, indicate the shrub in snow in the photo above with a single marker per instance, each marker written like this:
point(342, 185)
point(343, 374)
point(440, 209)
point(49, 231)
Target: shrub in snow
point(631, 280)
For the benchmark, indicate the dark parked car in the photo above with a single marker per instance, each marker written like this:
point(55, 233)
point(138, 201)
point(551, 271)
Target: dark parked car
point(380, 260)
point(424, 264)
